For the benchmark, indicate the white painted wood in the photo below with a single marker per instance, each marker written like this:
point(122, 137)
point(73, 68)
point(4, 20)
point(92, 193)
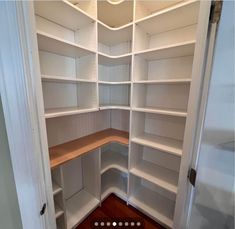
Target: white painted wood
point(143, 195)
point(159, 96)
point(145, 162)
point(64, 129)
point(172, 112)
point(146, 40)
point(115, 15)
point(179, 15)
point(58, 211)
point(53, 44)
point(56, 188)
point(169, 51)
point(114, 74)
point(162, 70)
point(145, 8)
point(193, 109)
point(63, 13)
point(114, 95)
point(114, 156)
point(105, 59)
point(23, 110)
point(88, 6)
point(114, 83)
point(120, 119)
point(113, 181)
point(160, 158)
point(80, 206)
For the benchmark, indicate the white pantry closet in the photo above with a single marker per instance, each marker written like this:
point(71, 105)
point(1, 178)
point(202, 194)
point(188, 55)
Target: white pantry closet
point(116, 80)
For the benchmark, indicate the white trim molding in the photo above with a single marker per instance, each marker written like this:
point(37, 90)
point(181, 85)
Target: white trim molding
point(21, 98)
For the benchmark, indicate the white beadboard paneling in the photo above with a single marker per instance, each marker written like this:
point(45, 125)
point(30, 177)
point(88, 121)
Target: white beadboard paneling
point(63, 129)
point(120, 119)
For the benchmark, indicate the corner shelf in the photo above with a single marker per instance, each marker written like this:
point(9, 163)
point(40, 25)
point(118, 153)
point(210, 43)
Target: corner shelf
point(53, 44)
point(86, 203)
point(105, 59)
point(70, 150)
point(114, 83)
point(113, 160)
point(114, 181)
point(164, 81)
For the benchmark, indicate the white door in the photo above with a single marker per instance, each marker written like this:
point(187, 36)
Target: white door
point(213, 201)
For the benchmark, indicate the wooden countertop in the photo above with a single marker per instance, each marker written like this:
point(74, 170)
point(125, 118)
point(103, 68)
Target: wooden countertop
point(67, 151)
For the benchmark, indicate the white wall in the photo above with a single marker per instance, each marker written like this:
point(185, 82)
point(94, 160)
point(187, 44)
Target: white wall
point(9, 209)
point(213, 205)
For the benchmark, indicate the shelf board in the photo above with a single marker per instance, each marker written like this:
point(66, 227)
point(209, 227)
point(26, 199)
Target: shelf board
point(59, 112)
point(111, 37)
point(115, 190)
point(114, 107)
point(48, 78)
point(115, 83)
point(56, 188)
point(53, 44)
point(171, 112)
point(168, 51)
point(70, 150)
point(58, 211)
point(164, 144)
point(105, 59)
point(164, 81)
point(155, 212)
point(113, 160)
point(177, 16)
point(79, 206)
point(162, 177)
point(63, 13)
point(115, 15)
point(115, 28)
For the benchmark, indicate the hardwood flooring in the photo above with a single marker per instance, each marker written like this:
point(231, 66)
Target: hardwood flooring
point(114, 210)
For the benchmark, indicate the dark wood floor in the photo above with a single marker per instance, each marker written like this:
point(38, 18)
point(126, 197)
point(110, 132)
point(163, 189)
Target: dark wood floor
point(113, 210)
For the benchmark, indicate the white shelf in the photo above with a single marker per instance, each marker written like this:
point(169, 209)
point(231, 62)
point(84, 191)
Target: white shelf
point(56, 188)
point(63, 13)
point(168, 51)
point(171, 18)
point(165, 144)
point(114, 83)
point(114, 36)
point(58, 211)
point(115, 15)
point(52, 113)
point(172, 112)
point(113, 181)
point(65, 79)
point(144, 197)
point(113, 160)
point(79, 206)
point(163, 81)
point(162, 177)
point(114, 107)
point(53, 44)
point(105, 59)
point(145, 8)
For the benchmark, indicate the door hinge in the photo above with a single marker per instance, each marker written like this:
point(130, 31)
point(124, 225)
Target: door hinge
point(43, 209)
point(192, 175)
point(215, 11)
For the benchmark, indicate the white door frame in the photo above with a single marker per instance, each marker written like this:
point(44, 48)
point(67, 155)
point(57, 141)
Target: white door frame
point(20, 88)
